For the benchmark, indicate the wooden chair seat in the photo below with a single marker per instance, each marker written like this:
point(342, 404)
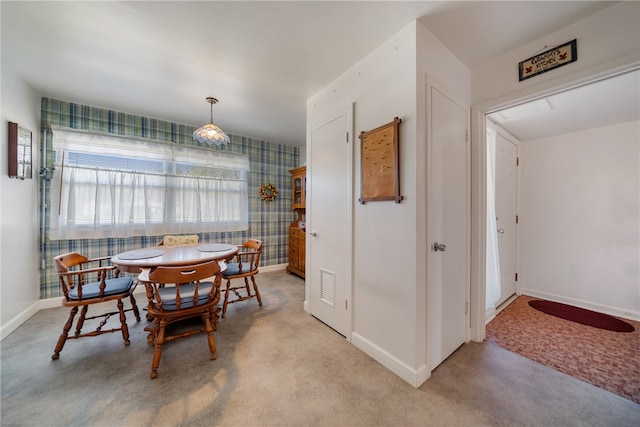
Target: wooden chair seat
point(72, 272)
point(112, 287)
point(234, 269)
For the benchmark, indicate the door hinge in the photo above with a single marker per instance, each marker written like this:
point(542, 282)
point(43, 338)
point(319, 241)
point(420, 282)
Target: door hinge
point(517, 218)
point(517, 161)
point(516, 277)
point(347, 137)
point(466, 135)
point(466, 307)
point(345, 304)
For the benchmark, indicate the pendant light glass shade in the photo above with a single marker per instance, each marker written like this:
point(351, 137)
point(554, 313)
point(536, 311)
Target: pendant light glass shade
point(210, 133)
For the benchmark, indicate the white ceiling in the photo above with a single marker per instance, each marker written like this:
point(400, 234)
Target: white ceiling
point(262, 60)
point(602, 103)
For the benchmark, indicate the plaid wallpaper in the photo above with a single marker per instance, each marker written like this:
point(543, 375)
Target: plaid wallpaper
point(269, 162)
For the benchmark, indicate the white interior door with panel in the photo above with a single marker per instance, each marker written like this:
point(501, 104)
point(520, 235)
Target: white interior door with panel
point(448, 226)
point(329, 207)
point(506, 213)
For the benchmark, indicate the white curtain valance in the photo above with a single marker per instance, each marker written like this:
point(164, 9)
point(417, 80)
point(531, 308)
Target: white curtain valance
point(81, 141)
point(101, 202)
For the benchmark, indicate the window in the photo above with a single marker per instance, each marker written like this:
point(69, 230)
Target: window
point(112, 186)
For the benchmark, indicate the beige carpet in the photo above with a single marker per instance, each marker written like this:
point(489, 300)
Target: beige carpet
point(279, 366)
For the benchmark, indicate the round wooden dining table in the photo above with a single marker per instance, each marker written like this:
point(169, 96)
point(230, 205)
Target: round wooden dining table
point(141, 261)
point(138, 260)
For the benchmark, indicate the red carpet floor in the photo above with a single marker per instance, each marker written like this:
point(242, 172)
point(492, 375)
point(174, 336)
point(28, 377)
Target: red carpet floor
point(610, 360)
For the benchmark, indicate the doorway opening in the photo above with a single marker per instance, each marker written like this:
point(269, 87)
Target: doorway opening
point(600, 102)
point(578, 194)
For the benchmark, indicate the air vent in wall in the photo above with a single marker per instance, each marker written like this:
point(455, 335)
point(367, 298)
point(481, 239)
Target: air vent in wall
point(327, 287)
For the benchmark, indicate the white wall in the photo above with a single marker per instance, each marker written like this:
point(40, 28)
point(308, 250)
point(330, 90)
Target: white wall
point(19, 241)
point(382, 86)
point(580, 218)
point(302, 156)
point(389, 272)
point(436, 67)
point(608, 42)
point(605, 40)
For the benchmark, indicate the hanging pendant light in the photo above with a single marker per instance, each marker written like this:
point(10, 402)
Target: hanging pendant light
point(210, 133)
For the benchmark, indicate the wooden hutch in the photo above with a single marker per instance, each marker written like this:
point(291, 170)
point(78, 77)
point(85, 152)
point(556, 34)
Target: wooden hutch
point(297, 236)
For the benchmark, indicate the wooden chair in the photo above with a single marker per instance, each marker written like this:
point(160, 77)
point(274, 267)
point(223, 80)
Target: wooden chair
point(80, 291)
point(189, 297)
point(245, 267)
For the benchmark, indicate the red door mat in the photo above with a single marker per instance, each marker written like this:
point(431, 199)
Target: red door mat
point(581, 315)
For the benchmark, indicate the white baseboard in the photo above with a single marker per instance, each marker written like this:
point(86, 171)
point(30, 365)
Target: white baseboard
point(489, 314)
point(600, 308)
point(415, 377)
point(492, 312)
point(18, 320)
point(275, 267)
point(22, 317)
point(44, 304)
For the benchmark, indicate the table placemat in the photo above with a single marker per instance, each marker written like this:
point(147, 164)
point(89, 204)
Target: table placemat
point(215, 247)
point(140, 254)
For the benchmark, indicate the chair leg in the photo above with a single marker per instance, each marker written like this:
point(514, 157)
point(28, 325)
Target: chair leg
point(157, 353)
point(255, 289)
point(123, 323)
point(210, 337)
point(134, 306)
point(226, 298)
point(65, 332)
point(214, 318)
point(153, 330)
point(80, 323)
point(246, 286)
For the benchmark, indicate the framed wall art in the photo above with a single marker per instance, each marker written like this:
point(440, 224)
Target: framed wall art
point(548, 60)
point(380, 163)
point(20, 158)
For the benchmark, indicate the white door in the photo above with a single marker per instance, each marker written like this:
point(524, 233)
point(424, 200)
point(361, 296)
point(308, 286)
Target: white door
point(448, 224)
point(506, 210)
point(328, 222)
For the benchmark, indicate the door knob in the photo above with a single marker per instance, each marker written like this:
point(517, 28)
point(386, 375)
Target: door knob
point(439, 247)
point(500, 230)
point(312, 233)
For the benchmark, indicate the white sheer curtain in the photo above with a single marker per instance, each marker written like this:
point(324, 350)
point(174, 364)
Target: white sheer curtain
point(201, 202)
point(99, 201)
point(493, 257)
